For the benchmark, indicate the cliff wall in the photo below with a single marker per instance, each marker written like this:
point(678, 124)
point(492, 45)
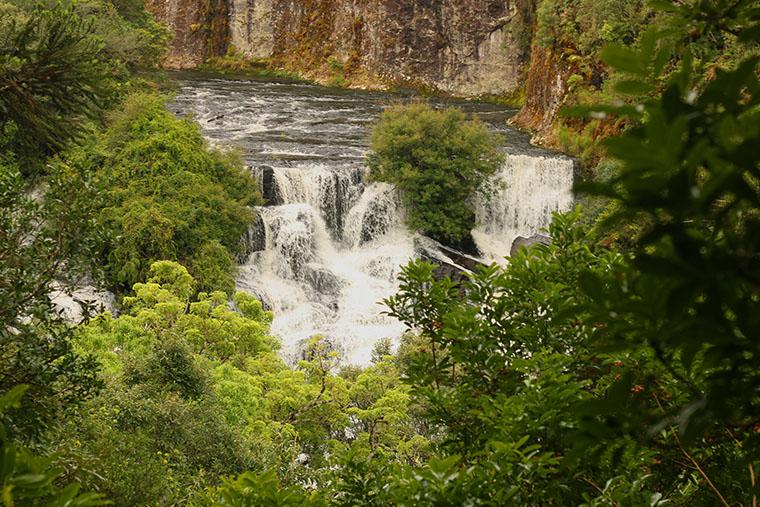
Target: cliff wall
point(464, 47)
point(199, 28)
point(545, 92)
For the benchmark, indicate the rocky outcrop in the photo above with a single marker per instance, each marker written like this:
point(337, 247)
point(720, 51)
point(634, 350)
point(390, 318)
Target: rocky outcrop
point(464, 47)
point(265, 175)
point(199, 28)
point(545, 91)
point(81, 300)
point(523, 242)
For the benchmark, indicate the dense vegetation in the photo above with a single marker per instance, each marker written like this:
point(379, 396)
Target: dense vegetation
point(168, 196)
point(579, 34)
point(589, 371)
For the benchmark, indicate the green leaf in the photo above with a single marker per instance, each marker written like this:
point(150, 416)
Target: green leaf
point(633, 87)
point(624, 59)
point(12, 398)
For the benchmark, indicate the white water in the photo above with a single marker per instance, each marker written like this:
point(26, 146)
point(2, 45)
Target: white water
point(529, 189)
point(317, 285)
point(329, 247)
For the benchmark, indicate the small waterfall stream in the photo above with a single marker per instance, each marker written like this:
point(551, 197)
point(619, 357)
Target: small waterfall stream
point(529, 188)
point(328, 246)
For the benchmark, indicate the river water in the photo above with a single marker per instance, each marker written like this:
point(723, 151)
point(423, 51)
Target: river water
point(328, 246)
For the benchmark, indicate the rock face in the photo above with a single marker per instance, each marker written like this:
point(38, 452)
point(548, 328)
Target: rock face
point(464, 47)
point(545, 92)
point(199, 29)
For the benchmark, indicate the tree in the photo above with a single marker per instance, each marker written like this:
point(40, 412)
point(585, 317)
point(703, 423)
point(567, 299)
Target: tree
point(162, 428)
point(169, 196)
point(439, 160)
point(499, 367)
point(43, 239)
point(27, 479)
point(54, 78)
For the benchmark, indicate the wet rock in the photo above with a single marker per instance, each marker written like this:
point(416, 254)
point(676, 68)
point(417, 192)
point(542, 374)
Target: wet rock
point(463, 259)
point(450, 262)
point(254, 239)
point(322, 280)
point(268, 184)
point(521, 241)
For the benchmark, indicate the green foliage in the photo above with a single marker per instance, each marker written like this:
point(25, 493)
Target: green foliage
point(180, 376)
point(26, 479)
point(501, 365)
point(586, 25)
point(43, 240)
point(130, 34)
point(170, 196)
point(250, 490)
point(690, 169)
point(57, 74)
point(439, 160)
point(54, 78)
point(160, 411)
point(235, 63)
point(212, 266)
point(209, 326)
point(337, 71)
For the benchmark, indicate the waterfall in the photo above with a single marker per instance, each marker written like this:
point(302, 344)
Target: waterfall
point(377, 212)
point(328, 190)
point(316, 282)
point(328, 246)
point(527, 190)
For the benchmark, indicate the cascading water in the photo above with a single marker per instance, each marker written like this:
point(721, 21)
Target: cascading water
point(527, 190)
point(328, 246)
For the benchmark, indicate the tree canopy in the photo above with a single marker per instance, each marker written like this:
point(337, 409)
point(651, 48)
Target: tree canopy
point(439, 160)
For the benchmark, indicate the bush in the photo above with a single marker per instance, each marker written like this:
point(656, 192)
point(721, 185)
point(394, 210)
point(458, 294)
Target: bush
point(170, 196)
point(439, 159)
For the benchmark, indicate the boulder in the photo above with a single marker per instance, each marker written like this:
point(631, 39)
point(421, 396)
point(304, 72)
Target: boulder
point(254, 239)
point(322, 280)
point(522, 241)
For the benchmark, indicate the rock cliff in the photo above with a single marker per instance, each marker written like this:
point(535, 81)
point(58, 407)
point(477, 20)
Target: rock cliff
point(545, 91)
point(464, 47)
point(199, 29)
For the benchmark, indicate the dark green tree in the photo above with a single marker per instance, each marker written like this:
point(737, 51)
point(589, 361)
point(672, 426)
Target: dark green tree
point(54, 78)
point(28, 479)
point(43, 239)
point(690, 171)
point(439, 159)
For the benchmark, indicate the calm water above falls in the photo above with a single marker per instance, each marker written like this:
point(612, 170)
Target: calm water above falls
point(328, 248)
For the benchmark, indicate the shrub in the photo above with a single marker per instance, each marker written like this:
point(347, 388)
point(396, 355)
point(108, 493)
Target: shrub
point(439, 159)
point(170, 195)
